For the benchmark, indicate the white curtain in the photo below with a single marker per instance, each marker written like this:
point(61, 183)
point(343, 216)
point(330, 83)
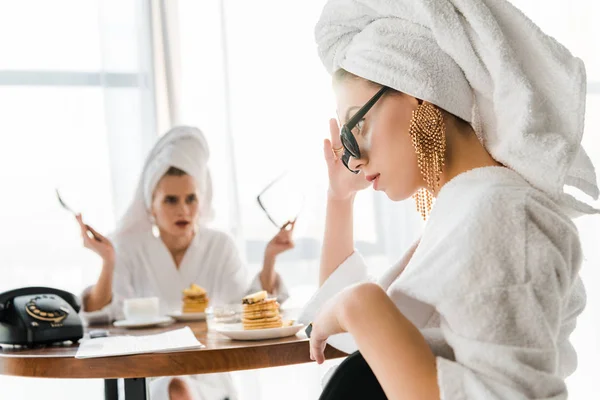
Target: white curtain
point(78, 114)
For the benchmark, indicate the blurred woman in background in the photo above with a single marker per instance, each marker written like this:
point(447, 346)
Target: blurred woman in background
point(162, 245)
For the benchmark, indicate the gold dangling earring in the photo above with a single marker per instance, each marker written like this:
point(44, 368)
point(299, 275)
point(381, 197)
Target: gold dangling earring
point(428, 134)
point(155, 230)
point(424, 200)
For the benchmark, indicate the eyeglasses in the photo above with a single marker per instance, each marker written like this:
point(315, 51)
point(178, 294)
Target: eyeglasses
point(262, 206)
point(351, 148)
point(282, 199)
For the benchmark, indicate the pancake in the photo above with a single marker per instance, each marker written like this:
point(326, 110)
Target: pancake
point(253, 328)
point(263, 325)
point(259, 312)
point(264, 305)
point(195, 299)
point(261, 320)
point(255, 297)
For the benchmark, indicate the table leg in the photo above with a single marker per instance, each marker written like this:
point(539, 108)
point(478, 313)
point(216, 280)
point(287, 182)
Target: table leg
point(136, 389)
point(111, 389)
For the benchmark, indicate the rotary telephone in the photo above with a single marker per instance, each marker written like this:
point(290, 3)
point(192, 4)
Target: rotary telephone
point(39, 315)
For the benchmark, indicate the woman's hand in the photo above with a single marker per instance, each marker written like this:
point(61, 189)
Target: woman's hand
point(96, 242)
point(281, 242)
point(101, 293)
point(342, 183)
point(327, 323)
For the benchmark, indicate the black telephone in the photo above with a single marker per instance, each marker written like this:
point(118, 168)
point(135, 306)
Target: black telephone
point(39, 315)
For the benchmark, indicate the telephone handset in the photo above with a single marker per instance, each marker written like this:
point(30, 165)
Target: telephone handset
point(38, 315)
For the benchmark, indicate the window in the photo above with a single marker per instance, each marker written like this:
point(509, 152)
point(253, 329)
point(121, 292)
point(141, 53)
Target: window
point(76, 115)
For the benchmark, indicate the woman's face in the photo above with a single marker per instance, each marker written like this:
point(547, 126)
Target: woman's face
point(175, 205)
point(387, 156)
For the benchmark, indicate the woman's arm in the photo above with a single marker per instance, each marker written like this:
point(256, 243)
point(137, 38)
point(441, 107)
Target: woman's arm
point(393, 347)
point(100, 294)
point(280, 243)
point(338, 241)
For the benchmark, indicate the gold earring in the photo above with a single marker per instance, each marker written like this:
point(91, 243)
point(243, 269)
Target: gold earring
point(155, 230)
point(424, 201)
point(428, 134)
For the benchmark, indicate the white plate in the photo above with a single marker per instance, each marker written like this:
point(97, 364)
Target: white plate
point(132, 324)
point(181, 316)
point(237, 332)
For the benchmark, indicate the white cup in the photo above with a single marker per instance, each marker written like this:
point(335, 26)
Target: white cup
point(141, 309)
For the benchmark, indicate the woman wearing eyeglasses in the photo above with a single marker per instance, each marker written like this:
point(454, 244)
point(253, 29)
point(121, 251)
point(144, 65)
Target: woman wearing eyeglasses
point(162, 245)
point(470, 109)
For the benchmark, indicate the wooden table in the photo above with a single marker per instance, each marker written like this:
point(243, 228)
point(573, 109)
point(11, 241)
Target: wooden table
point(220, 355)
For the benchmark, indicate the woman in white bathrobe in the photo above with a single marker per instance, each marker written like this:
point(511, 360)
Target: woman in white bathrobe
point(451, 100)
point(162, 245)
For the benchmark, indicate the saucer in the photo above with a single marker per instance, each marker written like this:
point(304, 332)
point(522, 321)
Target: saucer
point(142, 323)
point(181, 316)
point(237, 332)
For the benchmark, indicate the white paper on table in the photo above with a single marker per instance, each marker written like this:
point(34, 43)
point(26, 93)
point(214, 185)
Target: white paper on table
point(175, 340)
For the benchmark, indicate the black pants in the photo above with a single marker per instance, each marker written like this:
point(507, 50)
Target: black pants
point(353, 379)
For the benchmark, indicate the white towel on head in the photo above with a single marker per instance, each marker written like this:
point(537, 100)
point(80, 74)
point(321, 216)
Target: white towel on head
point(483, 61)
point(182, 147)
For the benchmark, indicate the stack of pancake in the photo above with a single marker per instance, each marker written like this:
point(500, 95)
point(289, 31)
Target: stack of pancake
point(259, 312)
point(195, 299)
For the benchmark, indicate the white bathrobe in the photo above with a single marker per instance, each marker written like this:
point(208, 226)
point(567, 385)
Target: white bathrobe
point(145, 268)
point(493, 286)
